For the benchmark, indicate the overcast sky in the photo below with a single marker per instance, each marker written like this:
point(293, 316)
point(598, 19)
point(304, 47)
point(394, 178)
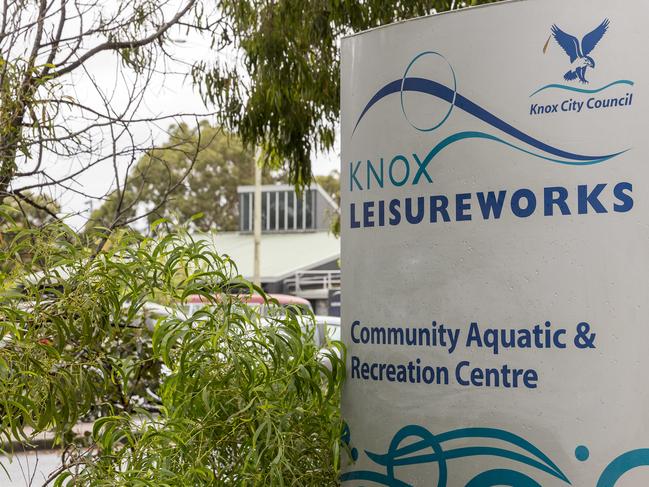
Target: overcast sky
point(167, 94)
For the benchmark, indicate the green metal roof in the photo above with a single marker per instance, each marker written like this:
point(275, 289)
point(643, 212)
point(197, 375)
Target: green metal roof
point(282, 254)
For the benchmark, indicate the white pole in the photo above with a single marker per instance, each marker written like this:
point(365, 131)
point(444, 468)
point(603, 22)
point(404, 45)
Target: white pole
point(257, 220)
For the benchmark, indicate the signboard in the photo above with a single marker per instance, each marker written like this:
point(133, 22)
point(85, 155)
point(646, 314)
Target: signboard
point(495, 247)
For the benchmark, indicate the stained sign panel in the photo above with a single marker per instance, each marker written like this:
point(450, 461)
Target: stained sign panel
point(495, 247)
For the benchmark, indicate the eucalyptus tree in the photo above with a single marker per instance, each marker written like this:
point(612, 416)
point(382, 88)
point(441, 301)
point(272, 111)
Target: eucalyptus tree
point(272, 76)
point(282, 90)
point(60, 116)
point(220, 166)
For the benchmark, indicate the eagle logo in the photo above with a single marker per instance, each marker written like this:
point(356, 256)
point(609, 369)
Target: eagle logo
point(579, 52)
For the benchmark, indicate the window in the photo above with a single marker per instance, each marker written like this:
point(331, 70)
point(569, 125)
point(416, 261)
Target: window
point(241, 212)
point(290, 210)
point(272, 208)
point(300, 210)
point(264, 211)
point(282, 210)
point(246, 211)
point(309, 208)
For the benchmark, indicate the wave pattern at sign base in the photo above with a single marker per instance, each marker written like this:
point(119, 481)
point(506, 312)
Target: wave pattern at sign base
point(419, 452)
point(623, 464)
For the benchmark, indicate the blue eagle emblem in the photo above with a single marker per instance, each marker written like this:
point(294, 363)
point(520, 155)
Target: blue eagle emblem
point(579, 52)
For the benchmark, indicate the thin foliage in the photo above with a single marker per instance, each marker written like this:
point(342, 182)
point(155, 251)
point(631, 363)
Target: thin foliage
point(223, 396)
point(281, 90)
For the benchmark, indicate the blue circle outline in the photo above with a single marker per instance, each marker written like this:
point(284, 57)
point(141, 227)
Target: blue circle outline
point(403, 81)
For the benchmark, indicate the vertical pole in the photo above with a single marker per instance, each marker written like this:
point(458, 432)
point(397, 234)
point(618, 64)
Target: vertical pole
point(257, 220)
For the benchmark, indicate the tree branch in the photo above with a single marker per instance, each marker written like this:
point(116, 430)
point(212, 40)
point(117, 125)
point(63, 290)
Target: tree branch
point(108, 46)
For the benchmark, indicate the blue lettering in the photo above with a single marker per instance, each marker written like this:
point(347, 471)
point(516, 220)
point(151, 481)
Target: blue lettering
point(390, 372)
point(555, 200)
point(368, 213)
point(422, 169)
point(491, 204)
point(461, 207)
point(354, 221)
point(439, 204)
point(395, 214)
point(458, 373)
point(381, 213)
point(530, 378)
point(560, 200)
point(415, 219)
point(585, 198)
point(355, 366)
point(474, 336)
point(407, 170)
point(352, 176)
point(377, 177)
point(355, 325)
point(556, 339)
point(626, 200)
point(517, 209)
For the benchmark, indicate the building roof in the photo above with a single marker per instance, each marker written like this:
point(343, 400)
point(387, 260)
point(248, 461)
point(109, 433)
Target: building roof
point(282, 254)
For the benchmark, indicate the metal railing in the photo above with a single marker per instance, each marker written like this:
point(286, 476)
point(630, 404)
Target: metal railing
point(312, 280)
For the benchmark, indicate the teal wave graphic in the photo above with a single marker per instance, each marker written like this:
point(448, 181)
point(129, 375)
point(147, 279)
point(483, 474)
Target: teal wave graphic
point(416, 445)
point(481, 135)
point(583, 90)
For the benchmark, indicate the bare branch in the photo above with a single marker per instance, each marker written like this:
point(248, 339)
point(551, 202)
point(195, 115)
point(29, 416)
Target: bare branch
point(111, 46)
point(31, 202)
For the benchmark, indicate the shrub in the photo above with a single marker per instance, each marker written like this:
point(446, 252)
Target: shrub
point(221, 397)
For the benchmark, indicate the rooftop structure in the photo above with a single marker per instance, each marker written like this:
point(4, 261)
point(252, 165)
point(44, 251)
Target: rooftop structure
point(283, 210)
point(299, 254)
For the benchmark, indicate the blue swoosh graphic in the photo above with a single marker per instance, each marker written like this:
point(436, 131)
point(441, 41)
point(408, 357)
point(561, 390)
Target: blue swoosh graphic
point(481, 135)
point(583, 90)
point(438, 90)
